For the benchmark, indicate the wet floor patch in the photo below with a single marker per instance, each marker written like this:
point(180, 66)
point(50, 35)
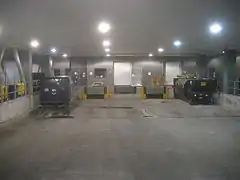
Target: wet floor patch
point(147, 114)
point(113, 107)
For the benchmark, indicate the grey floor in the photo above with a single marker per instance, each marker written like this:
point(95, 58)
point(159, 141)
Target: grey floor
point(124, 139)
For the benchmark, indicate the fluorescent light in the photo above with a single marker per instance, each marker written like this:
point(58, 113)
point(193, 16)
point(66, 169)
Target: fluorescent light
point(108, 55)
point(150, 55)
point(215, 28)
point(177, 43)
point(106, 43)
point(104, 27)
point(53, 50)
point(160, 50)
point(65, 55)
point(107, 50)
point(34, 43)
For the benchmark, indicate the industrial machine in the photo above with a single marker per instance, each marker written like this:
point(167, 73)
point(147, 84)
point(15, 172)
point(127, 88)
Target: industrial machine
point(56, 90)
point(195, 91)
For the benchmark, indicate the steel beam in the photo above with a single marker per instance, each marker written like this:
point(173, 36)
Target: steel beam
point(19, 66)
point(1, 59)
point(2, 75)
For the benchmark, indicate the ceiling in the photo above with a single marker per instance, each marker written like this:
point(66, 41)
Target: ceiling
point(138, 26)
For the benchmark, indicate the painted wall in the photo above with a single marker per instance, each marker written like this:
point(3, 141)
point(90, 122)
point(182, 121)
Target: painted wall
point(79, 66)
point(11, 71)
point(92, 64)
point(146, 67)
point(62, 64)
point(189, 67)
point(141, 67)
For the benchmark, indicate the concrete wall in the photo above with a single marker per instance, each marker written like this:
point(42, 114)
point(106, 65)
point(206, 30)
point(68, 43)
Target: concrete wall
point(11, 71)
point(62, 64)
point(189, 67)
point(231, 102)
point(92, 64)
point(15, 108)
point(145, 66)
point(140, 69)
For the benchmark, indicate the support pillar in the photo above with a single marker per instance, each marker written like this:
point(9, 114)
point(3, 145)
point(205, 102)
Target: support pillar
point(30, 80)
point(229, 70)
point(51, 73)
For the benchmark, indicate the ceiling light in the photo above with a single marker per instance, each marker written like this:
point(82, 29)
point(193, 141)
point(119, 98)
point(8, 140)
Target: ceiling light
point(223, 52)
point(177, 43)
point(53, 50)
point(160, 50)
point(107, 50)
point(104, 27)
point(34, 43)
point(215, 28)
point(150, 55)
point(65, 55)
point(108, 55)
point(106, 43)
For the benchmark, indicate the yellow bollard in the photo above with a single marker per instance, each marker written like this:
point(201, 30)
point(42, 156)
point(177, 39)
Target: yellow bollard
point(83, 95)
point(142, 93)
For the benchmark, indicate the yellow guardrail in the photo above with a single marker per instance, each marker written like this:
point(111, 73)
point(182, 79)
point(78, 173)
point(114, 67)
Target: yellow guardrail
point(20, 89)
point(3, 93)
point(16, 88)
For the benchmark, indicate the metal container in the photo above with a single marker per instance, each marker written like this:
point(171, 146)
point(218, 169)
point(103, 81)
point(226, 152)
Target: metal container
point(195, 91)
point(56, 90)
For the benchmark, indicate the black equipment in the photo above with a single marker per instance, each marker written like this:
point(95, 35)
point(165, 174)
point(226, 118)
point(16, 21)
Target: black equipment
point(56, 90)
point(195, 91)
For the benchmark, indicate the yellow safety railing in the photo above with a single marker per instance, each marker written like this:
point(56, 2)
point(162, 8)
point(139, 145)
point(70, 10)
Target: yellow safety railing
point(11, 91)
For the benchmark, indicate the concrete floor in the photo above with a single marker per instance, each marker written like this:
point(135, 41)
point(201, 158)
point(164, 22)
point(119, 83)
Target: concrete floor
point(124, 139)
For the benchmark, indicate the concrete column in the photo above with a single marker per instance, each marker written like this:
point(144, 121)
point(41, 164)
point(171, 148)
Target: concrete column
point(229, 70)
point(30, 80)
point(51, 73)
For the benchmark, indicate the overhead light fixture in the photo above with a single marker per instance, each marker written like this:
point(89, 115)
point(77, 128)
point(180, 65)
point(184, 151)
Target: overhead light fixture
point(108, 55)
point(34, 43)
point(65, 55)
point(106, 43)
point(150, 55)
point(107, 50)
point(223, 52)
point(53, 50)
point(215, 28)
point(104, 27)
point(177, 43)
point(160, 50)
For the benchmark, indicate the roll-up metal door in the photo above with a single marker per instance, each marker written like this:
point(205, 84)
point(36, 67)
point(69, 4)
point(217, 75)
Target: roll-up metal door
point(122, 73)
